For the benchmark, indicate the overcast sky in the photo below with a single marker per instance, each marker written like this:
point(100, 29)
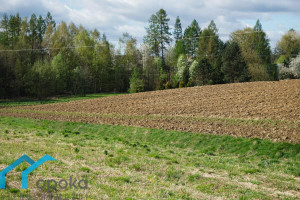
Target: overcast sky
point(114, 17)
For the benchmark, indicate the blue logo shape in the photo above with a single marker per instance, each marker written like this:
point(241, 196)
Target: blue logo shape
point(33, 166)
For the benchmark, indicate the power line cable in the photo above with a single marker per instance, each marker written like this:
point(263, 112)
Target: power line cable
point(45, 49)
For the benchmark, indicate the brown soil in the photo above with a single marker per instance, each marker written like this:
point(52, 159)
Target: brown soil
point(268, 110)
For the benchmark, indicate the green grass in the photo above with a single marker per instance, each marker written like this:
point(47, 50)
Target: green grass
point(224, 121)
point(142, 163)
point(28, 102)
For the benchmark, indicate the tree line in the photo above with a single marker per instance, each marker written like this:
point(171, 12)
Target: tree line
point(39, 58)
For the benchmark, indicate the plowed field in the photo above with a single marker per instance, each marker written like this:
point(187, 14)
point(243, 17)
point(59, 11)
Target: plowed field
point(267, 110)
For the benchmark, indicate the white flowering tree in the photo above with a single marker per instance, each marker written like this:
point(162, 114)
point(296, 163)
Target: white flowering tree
point(182, 69)
point(293, 71)
point(193, 70)
point(295, 66)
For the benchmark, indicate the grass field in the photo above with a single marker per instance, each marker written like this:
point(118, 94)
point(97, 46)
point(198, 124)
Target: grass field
point(127, 162)
point(63, 99)
point(142, 163)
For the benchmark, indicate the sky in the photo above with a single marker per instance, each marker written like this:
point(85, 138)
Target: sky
point(114, 17)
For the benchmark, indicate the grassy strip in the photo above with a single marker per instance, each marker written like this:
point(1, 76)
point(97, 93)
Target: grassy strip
point(142, 163)
point(203, 142)
point(218, 120)
point(27, 102)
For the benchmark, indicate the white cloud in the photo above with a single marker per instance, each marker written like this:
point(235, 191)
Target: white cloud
point(116, 16)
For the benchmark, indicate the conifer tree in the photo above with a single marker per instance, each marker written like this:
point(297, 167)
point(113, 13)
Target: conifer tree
point(50, 20)
point(158, 33)
point(5, 27)
point(152, 35)
point(191, 38)
point(177, 30)
point(179, 44)
point(261, 43)
point(233, 67)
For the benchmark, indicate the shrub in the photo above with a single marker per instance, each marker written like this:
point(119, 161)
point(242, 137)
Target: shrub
point(258, 73)
point(181, 84)
point(168, 85)
point(136, 83)
point(174, 81)
point(190, 84)
point(285, 73)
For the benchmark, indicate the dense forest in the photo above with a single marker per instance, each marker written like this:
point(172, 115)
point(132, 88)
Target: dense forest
point(40, 58)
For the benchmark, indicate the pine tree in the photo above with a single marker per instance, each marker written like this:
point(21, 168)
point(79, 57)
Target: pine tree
point(177, 30)
point(41, 29)
point(5, 28)
point(191, 38)
point(164, 32)
point(158, 33)
point(14, 24)
point(49, 20)
point(261, 43)
point(209, 43)
point(18, 22)
point(263, 49)
point(233, 67)
point(179, 48)
point(179, 44)
point(136, 83)
point(12, 31)
point(210, 47)
point(158, 36)
point(33, 30)
point(152, 35)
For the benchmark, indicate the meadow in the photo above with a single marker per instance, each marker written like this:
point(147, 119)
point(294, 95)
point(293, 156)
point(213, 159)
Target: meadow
point(124, 158)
